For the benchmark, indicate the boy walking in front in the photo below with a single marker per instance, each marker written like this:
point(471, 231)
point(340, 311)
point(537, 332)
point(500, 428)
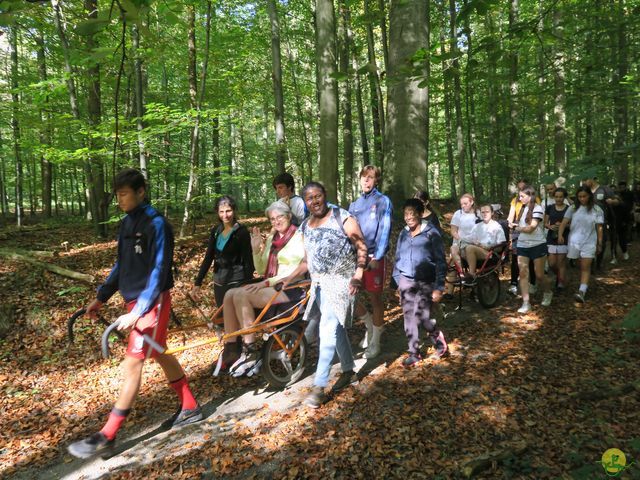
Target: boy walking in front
point(143, 276)
point(374, 212)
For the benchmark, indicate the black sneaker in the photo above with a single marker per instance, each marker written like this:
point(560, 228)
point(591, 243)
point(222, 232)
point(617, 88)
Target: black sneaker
point(247, 361)
point(344, 380)
point(448, 296)
point(183, 417)
point(411, 360)
point(96, 443)
point(316, 398)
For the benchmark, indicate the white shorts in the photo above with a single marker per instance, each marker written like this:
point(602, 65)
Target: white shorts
point(557, 249)
point(581, 251)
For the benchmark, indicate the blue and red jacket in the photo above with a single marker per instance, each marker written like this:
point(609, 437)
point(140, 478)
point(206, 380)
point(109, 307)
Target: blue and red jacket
point(145, 257)
point(374, 213)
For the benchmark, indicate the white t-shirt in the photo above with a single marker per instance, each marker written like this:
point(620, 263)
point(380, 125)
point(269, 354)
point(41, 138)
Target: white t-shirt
point(583, 225)
point(465, 223)
point(488, 235)
point(538, 236)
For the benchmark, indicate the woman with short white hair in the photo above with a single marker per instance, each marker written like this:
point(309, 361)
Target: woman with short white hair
point(274, 259)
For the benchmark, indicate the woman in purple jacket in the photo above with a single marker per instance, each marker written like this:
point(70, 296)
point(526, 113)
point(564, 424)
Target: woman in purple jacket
point(419, 273)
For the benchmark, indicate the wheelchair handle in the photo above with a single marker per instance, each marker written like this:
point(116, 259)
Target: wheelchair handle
point(72, 321)
point(105, 338)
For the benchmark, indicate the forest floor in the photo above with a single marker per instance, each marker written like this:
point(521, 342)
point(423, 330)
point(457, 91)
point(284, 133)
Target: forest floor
point(541, 395)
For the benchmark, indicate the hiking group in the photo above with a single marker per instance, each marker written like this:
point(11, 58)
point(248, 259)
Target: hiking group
point(343, 252)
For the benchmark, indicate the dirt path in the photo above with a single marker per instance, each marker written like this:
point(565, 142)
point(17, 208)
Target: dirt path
point(557, 382)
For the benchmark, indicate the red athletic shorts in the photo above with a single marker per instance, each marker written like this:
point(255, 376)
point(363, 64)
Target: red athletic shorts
point(154, 323)
point(373, 280)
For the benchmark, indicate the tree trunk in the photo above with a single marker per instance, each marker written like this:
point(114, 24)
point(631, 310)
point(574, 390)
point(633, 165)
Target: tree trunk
point(94, 168)
point(496, 155)
point(541, 146)
point(447, 118)
point(328, 96)
point(377, 108)
point(15, 125)
point(513, 155)
point(281, 152)
point(192, 188)
point(215, 147)
point(139, 99)
point(406, 138)
point(560, 135)
point(383, 33)
point(347, 123)
point(460, 146)
point(621, 110)
point(362, 127)
point(471, 112)
point(4, 206)
point(46, 168)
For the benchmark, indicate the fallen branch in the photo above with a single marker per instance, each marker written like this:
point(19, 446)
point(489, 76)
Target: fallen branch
point(13, 255)
point(606, 392)
point(483, 462)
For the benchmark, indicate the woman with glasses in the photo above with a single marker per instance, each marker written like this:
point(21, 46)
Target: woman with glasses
point(274, 259)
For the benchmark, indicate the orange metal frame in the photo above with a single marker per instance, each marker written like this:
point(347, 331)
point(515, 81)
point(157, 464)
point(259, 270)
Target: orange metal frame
point(256, 327)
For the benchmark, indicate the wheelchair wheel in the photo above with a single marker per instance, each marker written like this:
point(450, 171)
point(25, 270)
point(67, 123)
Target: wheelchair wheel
point(488, 289)
point(278, 367)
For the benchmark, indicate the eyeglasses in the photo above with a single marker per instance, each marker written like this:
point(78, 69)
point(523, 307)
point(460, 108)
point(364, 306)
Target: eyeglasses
point(278, 218)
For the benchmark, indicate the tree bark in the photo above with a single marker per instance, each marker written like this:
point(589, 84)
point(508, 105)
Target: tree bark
point(94, 167)
point(347, 122)
point(447, 119)
point(328, 96)
point(470, 110)
point(621, 109)
point(513, 154)
point(460, 146)
point(560, 135)
point(46, 168)
point(541, 146)
point(281, 151)
point(139, 100)
point(377, 107)
point(383, 33)
point(15, 125)
point(406, 140)
point(192, 188)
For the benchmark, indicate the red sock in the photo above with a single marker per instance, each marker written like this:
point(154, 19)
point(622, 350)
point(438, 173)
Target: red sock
point(181, 387)
point(115, 421)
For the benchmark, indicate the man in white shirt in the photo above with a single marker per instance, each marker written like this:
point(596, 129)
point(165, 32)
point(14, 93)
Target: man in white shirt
point(484, 236)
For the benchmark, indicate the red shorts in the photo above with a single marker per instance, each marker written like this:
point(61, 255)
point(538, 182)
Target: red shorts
point(154, 324)
point(373, 280)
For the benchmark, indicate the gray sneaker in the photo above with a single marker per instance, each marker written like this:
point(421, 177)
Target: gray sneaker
point(579, 296)
point(96, 443)
point(183, 417)
point(344, 380)
point(316, 398)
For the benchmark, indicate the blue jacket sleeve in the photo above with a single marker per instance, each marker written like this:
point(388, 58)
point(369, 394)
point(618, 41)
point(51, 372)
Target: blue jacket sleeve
point(382, 245)
point(110, 285)
point(161, 255)
point(395, 275)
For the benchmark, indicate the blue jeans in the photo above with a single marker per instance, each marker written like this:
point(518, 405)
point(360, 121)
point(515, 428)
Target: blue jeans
point(333, 336)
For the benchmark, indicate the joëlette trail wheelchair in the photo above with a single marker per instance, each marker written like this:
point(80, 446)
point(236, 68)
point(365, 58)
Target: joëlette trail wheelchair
point(280, 326)
point(486, 284)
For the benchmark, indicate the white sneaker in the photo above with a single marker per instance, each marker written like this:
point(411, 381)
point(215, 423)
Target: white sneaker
point(367, 319)
point(614, 261)
point(373, 350)
point(546, 299)
point(524, 308)
point(625, 256)
point(533, 289)
point(513, 290)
